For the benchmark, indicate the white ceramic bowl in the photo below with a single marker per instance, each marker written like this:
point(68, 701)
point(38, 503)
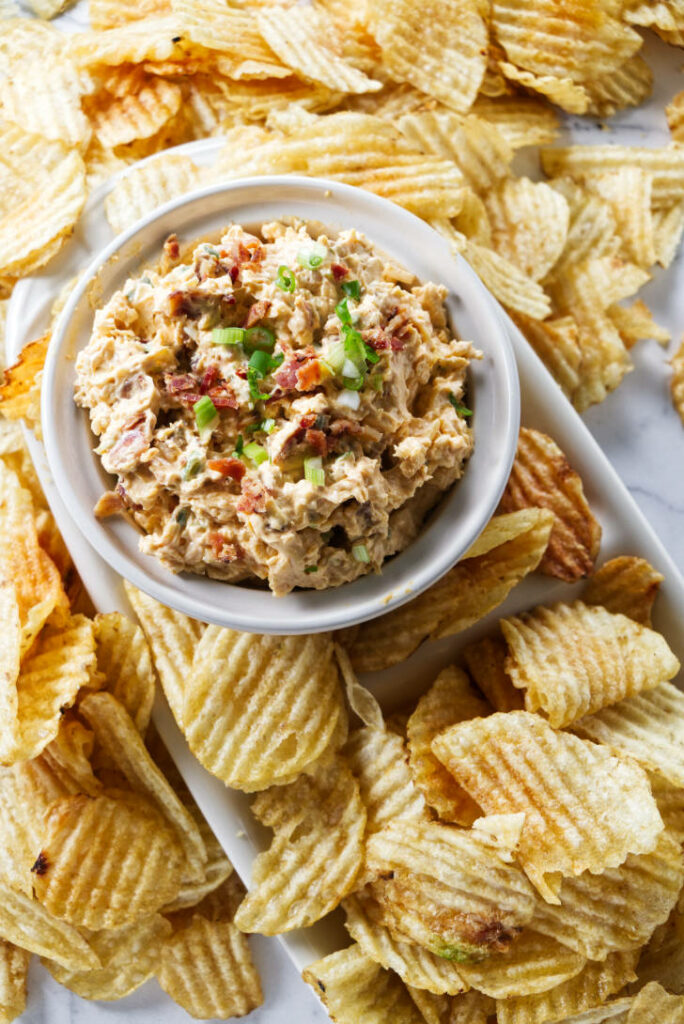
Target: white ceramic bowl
point(493, 393)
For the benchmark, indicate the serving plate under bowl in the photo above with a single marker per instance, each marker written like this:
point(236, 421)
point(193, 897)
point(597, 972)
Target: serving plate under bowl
point(492, 391)
point(625, 531)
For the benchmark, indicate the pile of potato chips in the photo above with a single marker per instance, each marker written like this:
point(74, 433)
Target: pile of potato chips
point(426, 105)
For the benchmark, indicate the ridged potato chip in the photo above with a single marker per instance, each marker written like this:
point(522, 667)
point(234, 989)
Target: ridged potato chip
point(110, 13)
point(677, 381)
point(670, 801)
point(27, 924)
point(106, 861)
point(124, 658)
point(557, 343)
point(668, 225)
point(635, 323)
point(467, 1008)
point(619, 909)
point(592, 231)
point(609, 810)
point(146, 187)
point(674, 112)
point(469, 900)
point(118, 737)
point(415, 965)
point(233, 33)
point(573, 660)
point(476, 146)
point(563, 91)
point(533, 964)
point(666, 164)
point(378, 760)
point(46, 100)
point(14, 964)
point(625, 585)
point(662, 959)
point(450, 699)
point(627, 86)
point(135, 115)
point(439, 49)
point(649, 728)
point(541, 477)
point(589, 988)
point(628, 191)
point(67, 757)
point(172, 637)
point(485, 660)
point(507, 282)
point(129, 956)
point(522, 120)
point(316, 852)
point(356, 990)
point(154, 38)
point(654, 1005)
point(529, 222)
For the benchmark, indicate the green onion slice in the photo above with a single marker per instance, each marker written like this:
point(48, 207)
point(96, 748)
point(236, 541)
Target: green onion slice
point(311, 568)
point(268, 426)
point(182, 516)
point(314, 472)
point(352, 289)
point(286, 280)
point(462, 410)
point(193, 466)
point(260, 361)
point(312, 257)
point(253, 378)
point(206, 416)
point(336, 356)
point(258, 338)
point(371, 355)
point(360, 553)
point(228, 335)
point(255, 452)
point(354, 383)
point(353, 346)
point(239, 445)
point(342, 311)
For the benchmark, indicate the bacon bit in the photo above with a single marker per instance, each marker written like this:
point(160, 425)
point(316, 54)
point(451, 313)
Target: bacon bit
point(257, 312)
point(253, 497)
point(178, 382)
point(129, 446)
point(172, 248)
point(377, 339)
point(110, 504)
point(397, 344)
point(223, 397)
point(223, 549)
point(307, 421)
point(343, 426)
point(125, 497)
point(241, 372)
point(234, 272)
point(189, 398)
point(233, 468)
point(41, 865)
point(176, 303)
point(309, 375)
point(286, 376)
point(338, 271)
point(209, 378)
point(317, 440)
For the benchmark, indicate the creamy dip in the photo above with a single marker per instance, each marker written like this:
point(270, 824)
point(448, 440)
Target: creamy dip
point(286, 407)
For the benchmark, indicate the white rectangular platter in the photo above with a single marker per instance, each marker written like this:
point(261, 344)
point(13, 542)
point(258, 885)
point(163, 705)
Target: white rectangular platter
point(625, 531)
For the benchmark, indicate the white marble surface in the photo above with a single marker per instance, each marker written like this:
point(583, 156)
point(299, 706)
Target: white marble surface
point(643, 437)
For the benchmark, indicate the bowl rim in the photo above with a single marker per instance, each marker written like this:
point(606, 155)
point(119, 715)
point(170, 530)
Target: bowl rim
point(335, 606)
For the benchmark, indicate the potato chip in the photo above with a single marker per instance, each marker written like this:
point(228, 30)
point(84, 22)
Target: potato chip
point(172, 637)
point(469, 591)
point(378, 760)
point(557, 343)
point(261, 707)
point(668, 225)
point(533, 964)
point(507, 282)
point(627, 86)
point(136, 115)
point(106, 862)
point(206, 968)
point(9, 9)
point(541, 477)
point(674, 112)
point(529, 224)
point(466, 1008)
point(592, 231)
point(475, 146)
point(677, 381)
point(26, 923)
point(450, 890)
point(233, 33)
point(315, 855)
point(563, 91)
point(117, 735)
point(573, 660)
point(648, 728)
point(414, 964)
point(665, 164)
point(109, 13)
point(124, 659)
point(618, 909)
point(21, 37)
point(152, 38)
point(635, 323)
point(485, 660)
point(625, 585)
point(670, 801)
point(522, 120)
point(14, 964)
point(356, 990)
point(129, 956)
point(16, 390)
point(628, 191)
point(46, 101)
point(450, 699)
point(662, 959)
point(148, 186)
point(654, 1004)
point(305, 40)
point(609, 810)
point(441, 51)
point(589, 988)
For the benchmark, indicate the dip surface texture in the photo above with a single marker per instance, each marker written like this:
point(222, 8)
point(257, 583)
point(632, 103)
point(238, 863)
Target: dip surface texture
point(285, 407)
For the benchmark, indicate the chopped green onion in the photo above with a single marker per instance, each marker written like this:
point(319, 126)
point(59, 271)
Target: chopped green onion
point(259, 338)
point(342, 311)
point(311, 568)
point(260, 361)
point(354, 383)
point(239, 445)
point(193, 466)
point(314, 472)
point(206, 416)
point(228, 335)
point(371, 355)
point(352, 289)
point(336, 356)
point(255, 453)
point(253, 378)
point(360, 553)
point(350, 369)
point(182, 516)
point(462, 410)
point(268, 426)
point(376, 382)
point(286, 280)
point(353, 346)
point(313, 257)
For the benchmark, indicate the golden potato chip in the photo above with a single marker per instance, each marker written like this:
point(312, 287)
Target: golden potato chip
point(677, 381)
point(106, 861)
point(154, 38)
point(450, 699)
point(450, 890)
point(670, 801)
point(124, 659)
point(557, 343)
point(172, 637)
point(665, 164)
point(513, 547)
point(16, 390)
point(654, 1004)
point(507, 282)
point(378, 760)
point(22, 37)
point(648, 728)
point(414, 964)
point(206, 968)
point(592, 231)
point(618, 909)
point(662, 959)
point(148, 186)
point(466, 1008)
point(129, 956)
point(533, 964)
point(541, 477)
point(674, 112)
point(627, 86)
point(627, 585)
point(485, 660)
point(668, 225)
point(136, 115)
point(356, 990)
point(46, 100)
point(635, 323)
point(48, 8)
point(233, 33)
point(110, 13)
point(14, 964)
point(529, 223)
point(563, 91)
point(522, 120)
point(26, 923)
point(609, 810)
point(573, 660)
point(441, 51)
point(305, 40)
point(261, 707)
point(315, 855)
point(475, 146)
point(117, 735)
point(628, 191)
point(589, 988)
